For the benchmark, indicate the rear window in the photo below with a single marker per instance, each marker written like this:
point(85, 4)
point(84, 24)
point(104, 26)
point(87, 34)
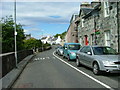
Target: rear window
point(74, 47)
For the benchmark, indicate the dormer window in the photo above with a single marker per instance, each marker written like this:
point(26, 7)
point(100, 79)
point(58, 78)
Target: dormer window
point(106, 8)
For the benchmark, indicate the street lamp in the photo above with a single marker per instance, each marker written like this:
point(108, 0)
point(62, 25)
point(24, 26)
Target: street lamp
point(15, 33)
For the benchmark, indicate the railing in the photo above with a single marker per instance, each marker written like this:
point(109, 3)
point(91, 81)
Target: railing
point(8, 61)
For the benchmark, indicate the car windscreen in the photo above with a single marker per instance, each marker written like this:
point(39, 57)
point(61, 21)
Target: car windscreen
point(74, 47)
point(104, 51)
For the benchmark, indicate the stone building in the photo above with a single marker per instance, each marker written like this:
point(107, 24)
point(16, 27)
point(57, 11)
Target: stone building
point(100, 24)
point(72, 34)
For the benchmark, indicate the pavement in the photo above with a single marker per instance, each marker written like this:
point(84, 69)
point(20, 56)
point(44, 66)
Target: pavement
point(8, 80)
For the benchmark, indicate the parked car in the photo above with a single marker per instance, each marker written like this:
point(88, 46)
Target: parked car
point(99, 58)
point(59, 50)
point(70, 49)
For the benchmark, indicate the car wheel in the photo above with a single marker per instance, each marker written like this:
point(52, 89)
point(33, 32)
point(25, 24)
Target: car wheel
point(77, 62)
point(96, 69)
point(68, 58)
point(56, 52)
point(63, 56)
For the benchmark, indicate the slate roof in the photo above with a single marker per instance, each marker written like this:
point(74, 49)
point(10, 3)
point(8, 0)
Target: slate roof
point(86, 10)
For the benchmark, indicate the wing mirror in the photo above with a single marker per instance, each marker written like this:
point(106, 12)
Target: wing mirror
point(65, 48)
point(89, 53)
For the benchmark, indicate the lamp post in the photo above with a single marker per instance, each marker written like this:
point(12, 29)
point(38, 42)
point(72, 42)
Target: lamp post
point(15, 33)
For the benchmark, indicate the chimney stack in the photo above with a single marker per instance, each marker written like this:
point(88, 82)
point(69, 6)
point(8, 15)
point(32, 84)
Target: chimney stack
point(94, 3)
point(85, 5)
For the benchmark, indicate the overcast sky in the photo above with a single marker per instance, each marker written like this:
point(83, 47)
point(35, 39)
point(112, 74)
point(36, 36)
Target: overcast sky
point(38, 16)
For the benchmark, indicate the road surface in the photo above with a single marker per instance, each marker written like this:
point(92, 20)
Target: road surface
point(48, 70)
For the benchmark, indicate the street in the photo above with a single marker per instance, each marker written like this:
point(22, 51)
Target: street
point(48, 70)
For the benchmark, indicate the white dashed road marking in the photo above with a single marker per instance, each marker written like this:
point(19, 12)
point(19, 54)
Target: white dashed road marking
point(37, 59)
point(103, 84)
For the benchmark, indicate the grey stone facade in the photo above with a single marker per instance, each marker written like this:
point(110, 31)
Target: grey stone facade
point(107, 26)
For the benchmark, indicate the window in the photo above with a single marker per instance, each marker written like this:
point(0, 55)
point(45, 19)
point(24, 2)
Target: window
point(74, 47)
point(82, 22)
point(104, 51)
point(107, 38)
point(106, 8)
point(83, 49)
point(88, 49)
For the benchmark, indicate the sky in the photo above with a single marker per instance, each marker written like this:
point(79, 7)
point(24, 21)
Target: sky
point(41, 18)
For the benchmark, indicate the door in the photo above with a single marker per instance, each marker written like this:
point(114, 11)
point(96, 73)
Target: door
point(86, 40)
point(65, 50)
point(82, 55)
point(88, 58)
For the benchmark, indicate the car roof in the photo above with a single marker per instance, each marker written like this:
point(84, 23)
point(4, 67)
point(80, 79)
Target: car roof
point(72, 43)
point(97, 46)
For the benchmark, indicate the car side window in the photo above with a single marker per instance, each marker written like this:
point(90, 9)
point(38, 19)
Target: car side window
point(88, 49)
point(83, 50)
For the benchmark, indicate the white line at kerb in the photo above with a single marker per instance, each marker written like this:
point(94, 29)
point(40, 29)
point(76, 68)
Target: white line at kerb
point(84, 73)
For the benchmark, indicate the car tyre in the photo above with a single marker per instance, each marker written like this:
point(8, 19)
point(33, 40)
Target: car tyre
point(63, 57)
point(68, 58)
point(96, 69)
point(77, 62)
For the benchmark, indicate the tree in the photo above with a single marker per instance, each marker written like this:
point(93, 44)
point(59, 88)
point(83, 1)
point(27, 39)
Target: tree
point(61, 35)
point(32, 43)
point(7, 24)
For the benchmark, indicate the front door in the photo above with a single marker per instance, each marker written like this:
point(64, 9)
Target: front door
point(86, 40)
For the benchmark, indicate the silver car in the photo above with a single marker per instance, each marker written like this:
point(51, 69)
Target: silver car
point(59, 50)
point(99, 58)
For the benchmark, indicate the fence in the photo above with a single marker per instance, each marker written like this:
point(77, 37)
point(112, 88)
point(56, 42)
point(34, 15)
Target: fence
point(8, 61)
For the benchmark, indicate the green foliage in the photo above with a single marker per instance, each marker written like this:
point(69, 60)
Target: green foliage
point(7, 24)
point(61, 35)
point(32, 43)
point(46, 45)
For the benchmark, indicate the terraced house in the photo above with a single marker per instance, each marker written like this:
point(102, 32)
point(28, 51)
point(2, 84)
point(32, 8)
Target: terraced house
point(99, 24)
point(72, 32)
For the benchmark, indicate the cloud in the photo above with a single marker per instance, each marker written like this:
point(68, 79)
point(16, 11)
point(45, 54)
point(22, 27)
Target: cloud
point(47, 0)
point(28, 12)
point(31, 14)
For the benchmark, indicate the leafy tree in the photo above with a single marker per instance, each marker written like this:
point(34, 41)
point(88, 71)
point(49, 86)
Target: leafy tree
point(61, 35)
point(32, 43)
point(7, 24)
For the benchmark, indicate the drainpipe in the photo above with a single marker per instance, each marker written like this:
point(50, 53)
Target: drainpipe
point(118, 28)
point(95, 29)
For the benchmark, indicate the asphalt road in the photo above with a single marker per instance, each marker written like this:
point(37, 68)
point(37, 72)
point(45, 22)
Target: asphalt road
point(48, 70)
